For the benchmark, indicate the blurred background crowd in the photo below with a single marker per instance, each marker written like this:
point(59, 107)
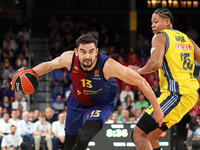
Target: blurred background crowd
point(61, 29)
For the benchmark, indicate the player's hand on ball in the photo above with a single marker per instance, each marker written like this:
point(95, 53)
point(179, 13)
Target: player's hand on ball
point(14, 78)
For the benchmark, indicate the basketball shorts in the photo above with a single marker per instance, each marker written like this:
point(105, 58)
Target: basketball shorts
point(174, 107)
point(78, 113)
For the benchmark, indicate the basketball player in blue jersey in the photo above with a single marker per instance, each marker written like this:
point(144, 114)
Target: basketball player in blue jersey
point(93, 97)
point(173, 55)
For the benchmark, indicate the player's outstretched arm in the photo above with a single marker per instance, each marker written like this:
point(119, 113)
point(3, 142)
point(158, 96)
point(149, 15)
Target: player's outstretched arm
point(114, 69)
point(157, 54)
point(63, 60)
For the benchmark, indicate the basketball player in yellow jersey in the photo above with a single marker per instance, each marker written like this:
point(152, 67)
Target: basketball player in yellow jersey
point(173, 55)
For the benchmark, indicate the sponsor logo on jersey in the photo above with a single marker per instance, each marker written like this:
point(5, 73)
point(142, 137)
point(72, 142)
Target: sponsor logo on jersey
point(180, 38)
point(96, 73)
point(78, 92)
point(76, 68)
point(96, 78)
point(184, 47)
point(91, 92)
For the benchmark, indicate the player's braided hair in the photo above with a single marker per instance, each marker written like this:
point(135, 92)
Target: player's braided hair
point(86, 39)
point(165, 13)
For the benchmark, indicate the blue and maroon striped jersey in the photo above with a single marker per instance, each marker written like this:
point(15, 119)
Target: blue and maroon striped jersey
point(91, 88)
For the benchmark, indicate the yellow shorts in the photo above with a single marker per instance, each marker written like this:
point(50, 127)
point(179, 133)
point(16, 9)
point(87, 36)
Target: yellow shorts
point(174, 106)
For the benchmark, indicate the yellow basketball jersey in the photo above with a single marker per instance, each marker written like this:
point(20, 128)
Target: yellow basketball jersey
point(176, 73)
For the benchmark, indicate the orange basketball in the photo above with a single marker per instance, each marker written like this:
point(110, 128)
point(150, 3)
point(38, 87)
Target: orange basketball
point(26, 82)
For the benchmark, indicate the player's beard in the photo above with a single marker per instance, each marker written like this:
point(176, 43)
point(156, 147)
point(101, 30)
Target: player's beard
point(89, 64)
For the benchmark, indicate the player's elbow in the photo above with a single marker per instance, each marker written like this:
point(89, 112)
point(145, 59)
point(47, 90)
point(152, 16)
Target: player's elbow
point(156, 65)
point(49, 67)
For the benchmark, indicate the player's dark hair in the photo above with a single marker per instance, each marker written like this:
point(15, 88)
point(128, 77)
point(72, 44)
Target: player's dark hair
point(165, 13)
point(86, 39)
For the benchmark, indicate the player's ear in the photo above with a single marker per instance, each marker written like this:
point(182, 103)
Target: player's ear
point(76, 51)
point(97, 51)
point(168, 22)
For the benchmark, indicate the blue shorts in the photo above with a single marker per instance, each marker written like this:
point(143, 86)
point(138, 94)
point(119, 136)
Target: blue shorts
point(78, 113)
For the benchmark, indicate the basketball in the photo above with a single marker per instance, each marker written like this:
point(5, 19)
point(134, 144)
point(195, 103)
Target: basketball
point(25, 81)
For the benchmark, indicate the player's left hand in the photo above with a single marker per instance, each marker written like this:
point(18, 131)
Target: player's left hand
point(14, 78)
point(12, 87)
point(158, 116)
point(135, 68)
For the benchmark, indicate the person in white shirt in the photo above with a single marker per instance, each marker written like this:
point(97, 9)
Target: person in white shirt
point(25, 128)
point(114, 119)
point(58, 131)
point(14, 120)
point(19, 100)
point(12, 141)
point(5, 126)
point(42, 129)
point(125, 92)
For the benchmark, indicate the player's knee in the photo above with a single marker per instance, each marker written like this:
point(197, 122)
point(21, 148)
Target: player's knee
point(136, 134)
point(83, 139)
